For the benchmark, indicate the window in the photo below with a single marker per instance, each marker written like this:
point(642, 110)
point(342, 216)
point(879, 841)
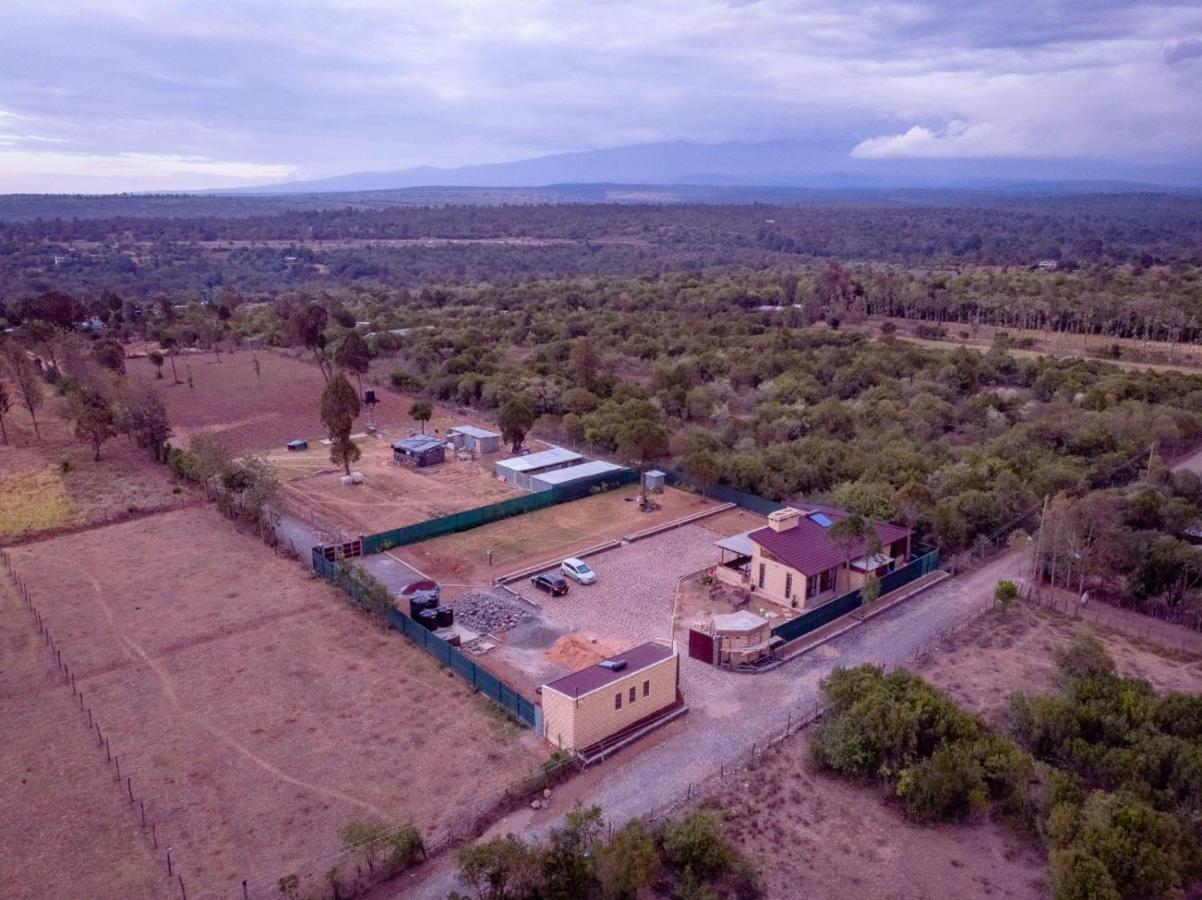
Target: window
point(618, 700)
point(646, 688)
point(788, 585)
point(812, 586)
point(632, 694)
point(762, 578)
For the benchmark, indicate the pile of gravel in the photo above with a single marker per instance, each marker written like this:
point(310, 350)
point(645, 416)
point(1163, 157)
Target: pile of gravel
point(494, 613)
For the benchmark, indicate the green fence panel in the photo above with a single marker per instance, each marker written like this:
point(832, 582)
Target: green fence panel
point(841, 606)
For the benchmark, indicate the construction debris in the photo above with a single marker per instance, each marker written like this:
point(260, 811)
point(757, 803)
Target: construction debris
point(489, 613)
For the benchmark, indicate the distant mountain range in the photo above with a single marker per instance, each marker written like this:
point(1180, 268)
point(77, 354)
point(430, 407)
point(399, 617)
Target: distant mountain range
point(824, 166)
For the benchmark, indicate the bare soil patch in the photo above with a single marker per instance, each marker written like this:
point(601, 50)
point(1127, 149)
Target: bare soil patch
point(1003, 653)
point(545, 535)
point(814, 835)
point(253, 707)
point(391, 495)
point(65, 826)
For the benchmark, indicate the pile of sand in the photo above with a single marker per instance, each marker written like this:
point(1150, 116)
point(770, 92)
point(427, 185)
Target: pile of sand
point(578, 651)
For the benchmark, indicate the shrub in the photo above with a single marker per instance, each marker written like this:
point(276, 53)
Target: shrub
point(948, 785)
point(696, 846)
point(1085, 657)
point(404, 381)
point(1005, 593)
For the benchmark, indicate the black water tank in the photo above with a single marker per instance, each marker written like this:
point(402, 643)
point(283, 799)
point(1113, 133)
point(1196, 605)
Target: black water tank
point(428, 618)
point(419, 603)
point(446, 616)
point(369, 396)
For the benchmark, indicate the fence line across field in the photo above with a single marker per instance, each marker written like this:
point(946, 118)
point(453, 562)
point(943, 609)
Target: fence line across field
point(148, 826)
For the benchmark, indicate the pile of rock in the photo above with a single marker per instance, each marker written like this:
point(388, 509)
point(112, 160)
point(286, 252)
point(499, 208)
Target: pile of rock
point(490, 613)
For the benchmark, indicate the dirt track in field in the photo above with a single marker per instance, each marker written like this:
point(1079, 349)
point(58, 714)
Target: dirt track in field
point(255, 710)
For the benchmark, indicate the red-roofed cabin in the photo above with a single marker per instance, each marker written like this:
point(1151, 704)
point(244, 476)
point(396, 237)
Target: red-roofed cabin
point(796, 561)
point(616, 696)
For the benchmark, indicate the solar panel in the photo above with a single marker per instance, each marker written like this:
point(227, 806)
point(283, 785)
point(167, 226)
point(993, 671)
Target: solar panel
point(821, 519)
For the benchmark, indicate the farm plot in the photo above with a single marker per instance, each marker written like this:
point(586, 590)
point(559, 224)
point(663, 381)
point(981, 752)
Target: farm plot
point(259, 412)
point(51, 482)
point(544, 536)
point(390, 495)
point(251, 705)
point(65, 827)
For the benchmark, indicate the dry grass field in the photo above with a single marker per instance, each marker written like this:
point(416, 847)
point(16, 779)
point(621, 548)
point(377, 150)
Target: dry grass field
point(65, 826)
point(50, 483)
point(390, 495)
point(251, 705)
point(548, 534)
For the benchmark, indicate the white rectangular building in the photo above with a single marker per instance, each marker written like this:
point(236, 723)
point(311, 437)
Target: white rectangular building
point(544, 481)
point(520, 469)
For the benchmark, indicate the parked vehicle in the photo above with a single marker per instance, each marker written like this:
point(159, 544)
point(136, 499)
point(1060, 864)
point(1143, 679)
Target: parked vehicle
point(551, 582)
point(577, 570)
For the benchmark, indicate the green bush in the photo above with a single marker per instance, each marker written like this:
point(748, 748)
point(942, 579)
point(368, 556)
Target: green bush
point(695, 845)
point(950, 784)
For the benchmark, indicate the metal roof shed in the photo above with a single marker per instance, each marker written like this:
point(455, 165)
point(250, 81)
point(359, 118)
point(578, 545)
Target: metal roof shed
point(544, 481)
point(519, 470)
point(478, 440)
point(419, 451)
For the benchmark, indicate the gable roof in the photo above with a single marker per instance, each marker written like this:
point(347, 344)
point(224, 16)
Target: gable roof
point(416, 444)
point(595, 677)
point(808, 546)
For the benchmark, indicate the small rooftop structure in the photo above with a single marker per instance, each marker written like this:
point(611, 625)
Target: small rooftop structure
point(546, 480)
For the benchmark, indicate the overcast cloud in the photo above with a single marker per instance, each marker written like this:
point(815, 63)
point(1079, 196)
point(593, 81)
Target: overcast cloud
point(137, 95)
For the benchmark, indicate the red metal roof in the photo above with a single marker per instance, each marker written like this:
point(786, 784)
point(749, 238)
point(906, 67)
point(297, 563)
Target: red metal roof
point(808, 547)
point(586, 680)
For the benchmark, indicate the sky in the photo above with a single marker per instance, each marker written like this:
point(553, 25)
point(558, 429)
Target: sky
point(129, 95)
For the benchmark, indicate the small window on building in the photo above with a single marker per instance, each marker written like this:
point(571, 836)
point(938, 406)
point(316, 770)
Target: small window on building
point(646, 688)
point(762, 576)
point(632, 694)
point(618, 700)
point(788, 584)
point(811, 586)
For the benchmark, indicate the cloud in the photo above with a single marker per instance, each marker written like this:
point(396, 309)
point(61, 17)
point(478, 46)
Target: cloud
point(23, 171)
point(1183, 50)
point(320, 88)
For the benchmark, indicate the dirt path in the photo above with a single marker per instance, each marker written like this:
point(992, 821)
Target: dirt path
point(730, 712)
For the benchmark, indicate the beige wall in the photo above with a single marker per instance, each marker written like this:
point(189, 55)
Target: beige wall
point(573, 724)
point(775, 576)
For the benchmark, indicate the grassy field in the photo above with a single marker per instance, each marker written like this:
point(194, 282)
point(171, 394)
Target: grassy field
point(252, 705)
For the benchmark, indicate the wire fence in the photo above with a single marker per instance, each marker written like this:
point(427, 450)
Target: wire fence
point(136, 800)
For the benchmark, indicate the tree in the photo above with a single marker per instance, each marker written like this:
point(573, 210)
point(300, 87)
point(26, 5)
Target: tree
point(142, 415)
point(642, 440)
point(871, 589)
point(515, 420)
point(156, 359)
point(5, 405)
point(29, 385)
point(170, 344)
point(421, 412)
point(110, 354)
point(1005, 593)
point(339, 407)
point(855, 533)
point(309, 327)
point(254, 361)
point(627, 863)
point(354, 355)
point(95, 421)
point(503, 868)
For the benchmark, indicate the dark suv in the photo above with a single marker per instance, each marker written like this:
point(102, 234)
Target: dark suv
point(551, 582)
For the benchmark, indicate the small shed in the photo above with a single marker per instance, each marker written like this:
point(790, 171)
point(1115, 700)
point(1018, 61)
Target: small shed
point(419, 452)
point(519, 470)
point(477, 440)
point(544, 481)
point(654, 481)
point(743, 638)
point(616, 697)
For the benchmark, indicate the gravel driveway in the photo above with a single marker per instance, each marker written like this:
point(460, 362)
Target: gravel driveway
point(730, 712)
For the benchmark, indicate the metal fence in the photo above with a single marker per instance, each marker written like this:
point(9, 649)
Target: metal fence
point(841, 606)
point(454, 659)
point(753, 502)
point(494, 512)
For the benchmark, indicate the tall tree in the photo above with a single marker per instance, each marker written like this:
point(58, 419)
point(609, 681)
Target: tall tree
point(855, 533)
point(5, 405)
point(170, 343)
point(515, 420)
point(642, 440)
point(421, 412)
point(109, 353)
point(95, 421)
point(25, 376)
point(309, 326)
point(354, 355)
point(339, 407)
point(156, 360)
